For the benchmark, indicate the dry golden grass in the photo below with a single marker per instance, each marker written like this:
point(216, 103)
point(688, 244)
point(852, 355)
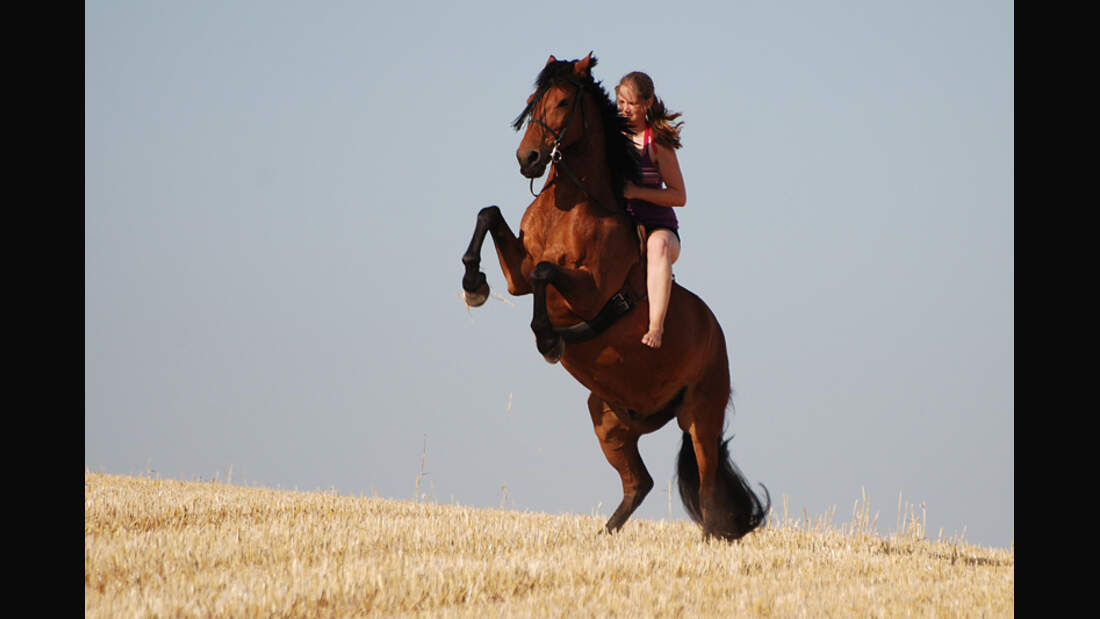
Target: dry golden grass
point(165, 548)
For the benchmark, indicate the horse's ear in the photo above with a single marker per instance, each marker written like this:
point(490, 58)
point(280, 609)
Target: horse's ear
point(583, 67)
point(552, 60)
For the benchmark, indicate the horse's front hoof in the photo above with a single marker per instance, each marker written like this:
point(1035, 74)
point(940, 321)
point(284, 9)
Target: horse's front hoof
point(553, 353)
point(479, 295)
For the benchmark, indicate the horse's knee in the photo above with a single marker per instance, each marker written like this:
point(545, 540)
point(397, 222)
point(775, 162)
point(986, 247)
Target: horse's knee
point(543, 272)
point(489, 215)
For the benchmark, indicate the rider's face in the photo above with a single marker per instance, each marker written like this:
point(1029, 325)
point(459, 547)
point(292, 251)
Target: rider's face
point(632, 107)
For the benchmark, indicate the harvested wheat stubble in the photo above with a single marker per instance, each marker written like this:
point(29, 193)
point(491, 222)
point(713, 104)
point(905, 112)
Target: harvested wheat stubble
point(174, 548)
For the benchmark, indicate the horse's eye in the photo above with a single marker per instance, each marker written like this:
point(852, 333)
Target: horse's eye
point(564, 103)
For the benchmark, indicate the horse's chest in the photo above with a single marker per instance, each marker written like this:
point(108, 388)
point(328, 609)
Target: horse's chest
point(565, 241)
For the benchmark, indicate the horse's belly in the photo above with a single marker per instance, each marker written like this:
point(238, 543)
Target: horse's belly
point(614, 374)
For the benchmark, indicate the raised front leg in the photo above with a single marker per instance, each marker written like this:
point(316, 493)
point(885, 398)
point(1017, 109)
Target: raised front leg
point(577, 287)
point(510, 251)
point(619, 443)
point(547, 341)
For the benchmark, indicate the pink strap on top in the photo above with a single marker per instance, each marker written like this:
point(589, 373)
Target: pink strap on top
point(647, 139)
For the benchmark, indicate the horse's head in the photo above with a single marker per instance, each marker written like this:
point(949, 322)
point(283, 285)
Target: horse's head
point(556, 114)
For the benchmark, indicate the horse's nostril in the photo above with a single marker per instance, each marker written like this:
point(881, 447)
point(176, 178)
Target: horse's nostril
point(532, 157)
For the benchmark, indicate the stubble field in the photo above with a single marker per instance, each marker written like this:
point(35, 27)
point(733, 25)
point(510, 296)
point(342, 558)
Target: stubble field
point(159, 548)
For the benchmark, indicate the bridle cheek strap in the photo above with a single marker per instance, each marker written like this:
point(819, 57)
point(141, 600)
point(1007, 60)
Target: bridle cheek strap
point(555, 151)
point(556, 157)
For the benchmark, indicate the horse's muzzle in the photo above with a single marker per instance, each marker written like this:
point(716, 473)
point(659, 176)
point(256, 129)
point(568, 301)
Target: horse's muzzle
point(532, 162)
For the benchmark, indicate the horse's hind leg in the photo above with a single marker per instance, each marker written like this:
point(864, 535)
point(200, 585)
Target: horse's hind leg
point(620, 445)
point(715, 520)
point(715, 493)
point(510, 251)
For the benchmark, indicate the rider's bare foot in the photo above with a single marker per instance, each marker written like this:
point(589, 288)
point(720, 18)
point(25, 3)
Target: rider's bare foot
point(652, 338)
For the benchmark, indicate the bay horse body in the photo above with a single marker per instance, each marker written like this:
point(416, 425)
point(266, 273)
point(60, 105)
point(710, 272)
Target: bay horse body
point(580, 256)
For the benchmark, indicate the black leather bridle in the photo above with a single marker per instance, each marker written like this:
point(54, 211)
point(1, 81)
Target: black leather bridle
point(557, 158)
point(555, 152)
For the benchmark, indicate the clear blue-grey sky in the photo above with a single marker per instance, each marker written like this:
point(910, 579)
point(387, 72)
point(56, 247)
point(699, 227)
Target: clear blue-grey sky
point(278, 194)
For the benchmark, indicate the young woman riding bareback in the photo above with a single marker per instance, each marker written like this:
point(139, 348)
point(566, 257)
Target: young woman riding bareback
point(662, 188)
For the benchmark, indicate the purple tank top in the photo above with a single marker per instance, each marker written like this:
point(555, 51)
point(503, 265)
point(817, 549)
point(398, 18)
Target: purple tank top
point(646, 213)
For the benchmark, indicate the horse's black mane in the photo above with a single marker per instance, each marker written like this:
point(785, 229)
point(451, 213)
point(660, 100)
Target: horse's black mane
point(622, 158)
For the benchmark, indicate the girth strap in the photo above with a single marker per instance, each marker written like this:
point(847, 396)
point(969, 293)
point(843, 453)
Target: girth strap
point(617, 306)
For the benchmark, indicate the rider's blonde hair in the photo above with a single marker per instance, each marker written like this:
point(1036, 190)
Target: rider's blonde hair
point(657, 116)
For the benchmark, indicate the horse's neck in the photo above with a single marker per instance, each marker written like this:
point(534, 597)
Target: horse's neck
point(588, 178)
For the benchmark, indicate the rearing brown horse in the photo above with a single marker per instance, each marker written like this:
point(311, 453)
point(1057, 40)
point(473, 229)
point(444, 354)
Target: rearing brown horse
point(579, 254)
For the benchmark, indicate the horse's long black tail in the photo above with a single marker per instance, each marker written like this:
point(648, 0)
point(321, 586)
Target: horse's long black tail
point(739, 506)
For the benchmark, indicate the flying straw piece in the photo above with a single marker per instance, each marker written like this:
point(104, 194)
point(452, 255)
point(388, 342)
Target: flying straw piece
point(462, 297)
